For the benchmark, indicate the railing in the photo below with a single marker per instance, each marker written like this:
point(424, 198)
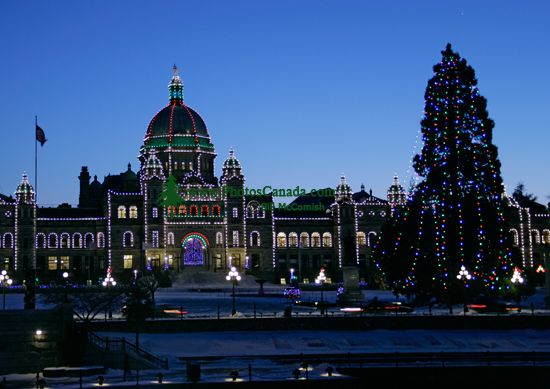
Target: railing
point(122, 344)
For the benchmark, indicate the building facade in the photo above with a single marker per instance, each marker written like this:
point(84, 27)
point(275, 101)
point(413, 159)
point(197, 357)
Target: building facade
point(173, 213)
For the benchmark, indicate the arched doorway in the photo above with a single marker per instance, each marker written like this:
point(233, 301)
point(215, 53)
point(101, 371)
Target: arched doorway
point(194, 249)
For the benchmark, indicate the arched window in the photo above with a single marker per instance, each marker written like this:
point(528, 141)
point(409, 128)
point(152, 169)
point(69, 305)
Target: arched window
point(122, 212)
point(371, 239)
point(546, 236)
point(219, 239)
point(204, 210)
point(254, 238)
point(133, 212)
point(536, 236)
point(40, 241)
point(170, 238)
point(100, 240)
point(77, 240)
point(65, 240)
point(315, 239)
point(52, 240)
point(194, 210)
point(327, 239)
point(88, 240)
point(216, 210)
point(304, 239)
point(8, 240)
point(128, 239)
point(235, 212)
point(182, 210)
point(281, 239)
point(361, 238)
point(171, 210)
point(515, 236)
point(293, 239)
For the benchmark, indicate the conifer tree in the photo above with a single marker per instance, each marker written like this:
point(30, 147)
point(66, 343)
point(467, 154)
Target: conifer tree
point(170, 197)
point(455, 218)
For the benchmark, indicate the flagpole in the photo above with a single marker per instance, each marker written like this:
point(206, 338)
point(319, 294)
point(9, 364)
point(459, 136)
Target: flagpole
point(35, 160)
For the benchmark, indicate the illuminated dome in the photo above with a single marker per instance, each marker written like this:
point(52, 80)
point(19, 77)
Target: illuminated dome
point(177, 125)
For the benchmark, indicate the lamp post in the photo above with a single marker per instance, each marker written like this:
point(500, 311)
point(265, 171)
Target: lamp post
point(108, 282)
point(5, 280)
point(464, 276)
point(291, 281)
point(66, 278)
point(234, 277)
point(320, 280)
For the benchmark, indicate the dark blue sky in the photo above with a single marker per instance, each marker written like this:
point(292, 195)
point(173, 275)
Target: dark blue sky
point(303, 90)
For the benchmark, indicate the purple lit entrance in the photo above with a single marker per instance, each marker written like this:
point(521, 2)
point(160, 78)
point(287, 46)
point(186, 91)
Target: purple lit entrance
point(193, 253)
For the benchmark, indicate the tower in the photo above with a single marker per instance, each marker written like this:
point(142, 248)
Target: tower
point(345, 224)
point(232, 182)
point(25, 219)
point(180, 137)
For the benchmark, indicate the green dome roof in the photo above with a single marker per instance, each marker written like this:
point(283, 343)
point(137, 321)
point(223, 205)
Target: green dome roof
point(177, 124)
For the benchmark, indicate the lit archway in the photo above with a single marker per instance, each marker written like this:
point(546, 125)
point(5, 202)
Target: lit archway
point(194, 247)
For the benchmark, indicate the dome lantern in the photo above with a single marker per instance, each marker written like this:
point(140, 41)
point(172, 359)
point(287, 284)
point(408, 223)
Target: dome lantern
point(176, 87)
point(25, 192)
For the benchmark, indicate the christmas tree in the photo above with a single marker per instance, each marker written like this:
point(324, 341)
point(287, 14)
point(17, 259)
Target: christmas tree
point(170, 197)
point(455, 217)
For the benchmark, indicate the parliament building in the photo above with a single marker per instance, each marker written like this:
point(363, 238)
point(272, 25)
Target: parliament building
point(174, 213)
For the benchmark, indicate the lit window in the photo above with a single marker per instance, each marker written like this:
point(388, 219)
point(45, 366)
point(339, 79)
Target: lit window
point(327, 239)
point(235, 212)
point(293, 239)
point(133, 212)
point(128, 261)
point(235, 238)
point(281, 239)
point(304, 239)
point(52, 263)
point(155, 212)
point(155, 239)
point(122, 212)
point(64, 262)
point(170, 238)
point(361, 238)
point(315, 239)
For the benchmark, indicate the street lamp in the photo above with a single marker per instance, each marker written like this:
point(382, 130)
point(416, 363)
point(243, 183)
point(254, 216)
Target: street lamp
point(66, 278)
point(292, 276)
point(465, 276)
point(320, 280)
point(6, 281)
point(107, 282)
point(234, 277)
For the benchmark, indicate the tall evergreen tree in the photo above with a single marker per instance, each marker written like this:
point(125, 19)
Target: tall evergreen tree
point(456, 216)
point(170, 197)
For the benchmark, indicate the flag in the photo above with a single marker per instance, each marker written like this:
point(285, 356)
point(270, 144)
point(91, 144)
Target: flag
point(40, 136)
